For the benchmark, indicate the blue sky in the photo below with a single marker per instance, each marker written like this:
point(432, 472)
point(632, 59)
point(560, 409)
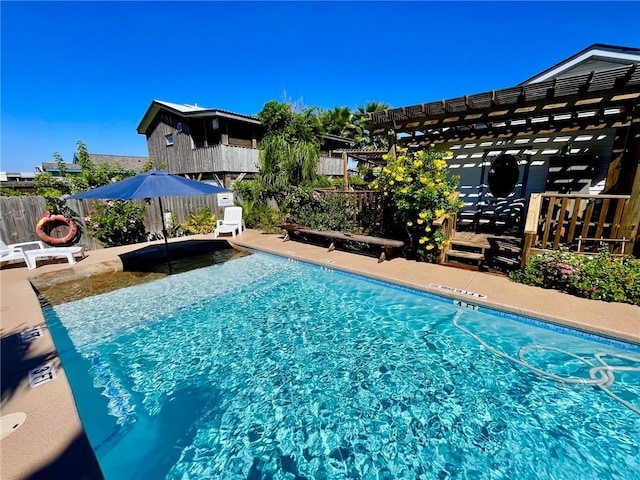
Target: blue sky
point(89, 70)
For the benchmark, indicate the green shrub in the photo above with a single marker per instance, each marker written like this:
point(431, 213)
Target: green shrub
point(202, 222)
point(261, 217)
point(117, 222)
point(338, 183)
point(418, 190)
point(598, 277)
point(10, 192)
point(320, 211)
point(248, 190)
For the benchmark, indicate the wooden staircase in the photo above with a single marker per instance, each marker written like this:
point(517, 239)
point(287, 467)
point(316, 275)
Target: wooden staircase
point(465, 253)
point(483, 252)
point(505, 253)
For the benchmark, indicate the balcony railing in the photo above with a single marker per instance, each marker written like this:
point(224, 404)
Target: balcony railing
point(232, 158)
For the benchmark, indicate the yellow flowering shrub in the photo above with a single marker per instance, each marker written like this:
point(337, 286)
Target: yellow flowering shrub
point(418, 189)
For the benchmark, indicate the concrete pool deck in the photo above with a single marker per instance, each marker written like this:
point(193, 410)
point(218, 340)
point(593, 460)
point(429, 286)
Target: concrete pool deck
point(51, 443)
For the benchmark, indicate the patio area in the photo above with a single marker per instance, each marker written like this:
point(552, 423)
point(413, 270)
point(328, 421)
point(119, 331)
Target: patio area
point(52, 444)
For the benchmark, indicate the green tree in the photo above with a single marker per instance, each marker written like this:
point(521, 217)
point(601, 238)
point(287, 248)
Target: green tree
point(90, 176)
point(289, 150)
point(339, 121)
point(364, 135)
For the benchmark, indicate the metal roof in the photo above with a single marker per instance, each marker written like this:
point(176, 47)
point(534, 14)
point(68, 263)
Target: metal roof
point(194, 111)
point(185, 110)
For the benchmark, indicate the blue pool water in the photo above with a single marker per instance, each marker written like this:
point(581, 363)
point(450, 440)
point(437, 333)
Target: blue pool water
point(260, 368)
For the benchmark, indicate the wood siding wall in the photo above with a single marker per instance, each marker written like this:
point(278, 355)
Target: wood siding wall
point(535, 152)
point(330, 166)
point(20, 215)
point(164, 156)
point(183, 158)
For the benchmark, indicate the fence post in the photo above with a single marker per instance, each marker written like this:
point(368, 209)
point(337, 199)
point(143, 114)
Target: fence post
point(531, 226)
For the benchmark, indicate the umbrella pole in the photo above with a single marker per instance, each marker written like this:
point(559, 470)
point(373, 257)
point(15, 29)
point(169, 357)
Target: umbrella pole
point(164, 233)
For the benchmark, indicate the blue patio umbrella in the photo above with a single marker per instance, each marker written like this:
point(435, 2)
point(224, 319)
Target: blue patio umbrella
point(154, 183)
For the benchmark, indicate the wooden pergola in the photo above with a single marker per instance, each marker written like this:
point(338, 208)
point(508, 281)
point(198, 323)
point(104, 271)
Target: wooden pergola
point(555, 105)
point(592, 101)
point(370, 156)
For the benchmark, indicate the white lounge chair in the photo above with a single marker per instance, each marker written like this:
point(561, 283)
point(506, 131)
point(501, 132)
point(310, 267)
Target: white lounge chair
point(11, 254)
point(34, 251)
point(231, 222)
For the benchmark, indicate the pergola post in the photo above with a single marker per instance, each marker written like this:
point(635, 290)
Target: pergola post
point(345, 171)
point(629, 226)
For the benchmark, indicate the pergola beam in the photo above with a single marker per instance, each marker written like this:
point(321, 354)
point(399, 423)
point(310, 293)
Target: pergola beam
point(605, 87)
point(358, 154)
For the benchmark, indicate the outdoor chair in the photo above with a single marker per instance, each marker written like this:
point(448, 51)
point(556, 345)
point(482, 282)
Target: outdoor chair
point(231, 222)
point(11, 254)
point(31, 252)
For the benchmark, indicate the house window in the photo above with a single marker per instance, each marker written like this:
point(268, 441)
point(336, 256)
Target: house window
point(169, 139)
point(179, 127)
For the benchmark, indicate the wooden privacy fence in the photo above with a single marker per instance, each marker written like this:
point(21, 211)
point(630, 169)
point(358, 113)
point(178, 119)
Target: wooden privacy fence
point(19, 215)
point(566, 220)
point(366, 203)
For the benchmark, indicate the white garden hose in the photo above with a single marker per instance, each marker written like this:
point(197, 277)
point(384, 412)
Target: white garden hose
point(601, 376)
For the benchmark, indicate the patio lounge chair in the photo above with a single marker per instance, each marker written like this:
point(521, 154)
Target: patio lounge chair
point(31, 252)
point(11, 254)
point(231, 222)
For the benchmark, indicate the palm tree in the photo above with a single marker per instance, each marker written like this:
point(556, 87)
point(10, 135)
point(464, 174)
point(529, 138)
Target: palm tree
point(339, 121)
point(366, 138)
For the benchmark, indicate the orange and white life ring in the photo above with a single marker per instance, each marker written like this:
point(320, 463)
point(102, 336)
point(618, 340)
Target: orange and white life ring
point(46, 220)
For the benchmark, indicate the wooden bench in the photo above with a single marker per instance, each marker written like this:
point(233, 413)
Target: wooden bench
point(387, 244)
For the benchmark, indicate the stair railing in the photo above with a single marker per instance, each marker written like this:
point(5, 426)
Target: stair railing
point(557, 220)
point(448, 223)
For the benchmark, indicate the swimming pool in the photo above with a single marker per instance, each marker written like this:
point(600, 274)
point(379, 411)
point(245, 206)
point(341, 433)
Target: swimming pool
point(267, 368)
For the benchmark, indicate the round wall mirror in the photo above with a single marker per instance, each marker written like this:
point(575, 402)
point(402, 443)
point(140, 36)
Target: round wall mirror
point(503, 176)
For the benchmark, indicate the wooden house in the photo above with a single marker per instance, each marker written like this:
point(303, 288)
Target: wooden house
point(552, 161)
point(18, 181)
point(116, 162)
point(214, 144)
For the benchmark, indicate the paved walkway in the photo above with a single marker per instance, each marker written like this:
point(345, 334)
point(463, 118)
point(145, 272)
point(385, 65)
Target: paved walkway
point(51, 443)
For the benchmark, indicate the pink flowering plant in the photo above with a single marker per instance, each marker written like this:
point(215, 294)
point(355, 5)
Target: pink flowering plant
point(117, 222)
point(418, 190)
point(598, 277)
